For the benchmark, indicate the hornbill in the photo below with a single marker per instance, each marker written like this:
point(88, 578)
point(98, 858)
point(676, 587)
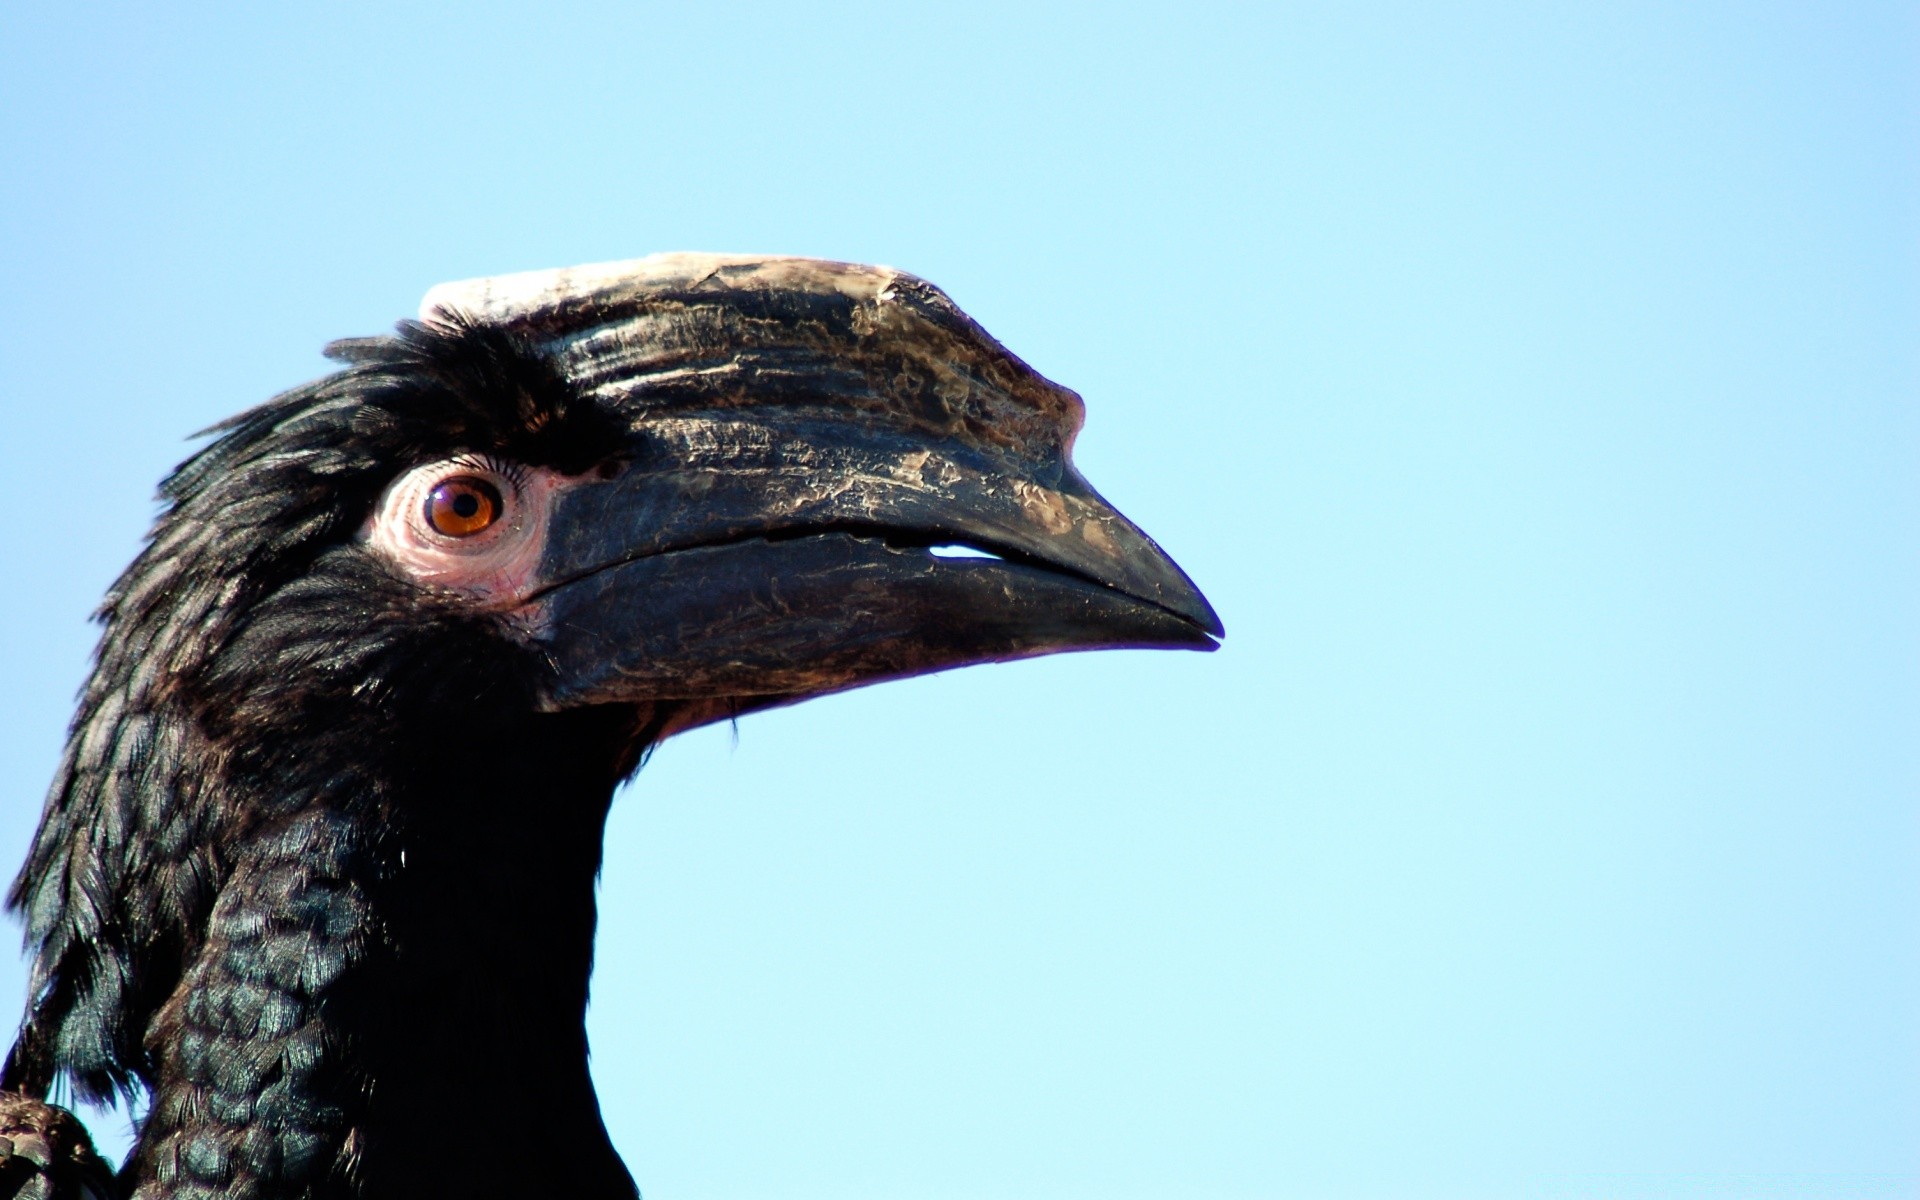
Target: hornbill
point(316, 874)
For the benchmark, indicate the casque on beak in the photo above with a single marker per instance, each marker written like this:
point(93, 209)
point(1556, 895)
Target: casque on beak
point(801, 434)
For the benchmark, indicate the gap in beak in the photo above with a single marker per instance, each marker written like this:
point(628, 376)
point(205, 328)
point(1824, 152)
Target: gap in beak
point(961, 550)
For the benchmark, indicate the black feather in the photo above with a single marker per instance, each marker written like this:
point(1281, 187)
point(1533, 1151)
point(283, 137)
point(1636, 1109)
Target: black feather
point(284, 856)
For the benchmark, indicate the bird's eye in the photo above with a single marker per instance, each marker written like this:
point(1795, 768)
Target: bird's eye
point(463, 506)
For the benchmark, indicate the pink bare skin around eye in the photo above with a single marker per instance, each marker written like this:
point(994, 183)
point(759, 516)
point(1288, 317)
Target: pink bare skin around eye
point(497, 567)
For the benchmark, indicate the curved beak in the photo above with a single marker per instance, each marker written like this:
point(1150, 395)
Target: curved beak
point(803, 439)
point(792, 564)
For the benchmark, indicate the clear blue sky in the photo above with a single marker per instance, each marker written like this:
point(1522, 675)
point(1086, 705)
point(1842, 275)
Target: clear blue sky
point(1531, 387)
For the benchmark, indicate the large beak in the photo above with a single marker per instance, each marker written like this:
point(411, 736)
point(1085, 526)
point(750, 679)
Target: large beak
point(803, 436)
point(804, 565)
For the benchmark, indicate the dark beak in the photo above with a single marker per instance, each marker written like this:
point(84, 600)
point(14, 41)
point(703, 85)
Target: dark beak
point(804, 437)
point(780, 581)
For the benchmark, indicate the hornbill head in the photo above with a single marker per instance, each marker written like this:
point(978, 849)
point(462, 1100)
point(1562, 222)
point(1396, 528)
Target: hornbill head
point(779, 446)
point(362, 700)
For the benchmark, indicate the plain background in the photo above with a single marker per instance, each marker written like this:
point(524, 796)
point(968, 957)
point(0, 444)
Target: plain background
point(1531, 387)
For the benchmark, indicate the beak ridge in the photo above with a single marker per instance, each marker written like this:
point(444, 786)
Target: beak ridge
point(802, 433)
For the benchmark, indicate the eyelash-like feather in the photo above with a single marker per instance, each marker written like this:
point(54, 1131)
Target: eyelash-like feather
point(513, 472)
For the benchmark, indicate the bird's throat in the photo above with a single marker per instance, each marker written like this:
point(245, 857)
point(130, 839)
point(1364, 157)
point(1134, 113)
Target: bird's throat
point(392, 998)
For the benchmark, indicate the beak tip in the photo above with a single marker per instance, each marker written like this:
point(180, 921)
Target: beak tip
point(1210, 623)
point(1187, 600)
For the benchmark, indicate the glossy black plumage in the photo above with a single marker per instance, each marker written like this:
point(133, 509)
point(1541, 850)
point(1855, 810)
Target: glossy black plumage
point(217, 894)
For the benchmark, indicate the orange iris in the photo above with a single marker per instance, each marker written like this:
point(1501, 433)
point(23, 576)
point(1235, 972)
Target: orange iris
point(463, 506)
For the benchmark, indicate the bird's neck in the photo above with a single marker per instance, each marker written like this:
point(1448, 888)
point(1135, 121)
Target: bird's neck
point(490, 908)
point(411, 951)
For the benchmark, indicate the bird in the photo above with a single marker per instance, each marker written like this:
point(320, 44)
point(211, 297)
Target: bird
point(316, 874)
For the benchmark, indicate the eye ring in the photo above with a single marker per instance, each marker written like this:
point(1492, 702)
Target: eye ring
point(461, 506)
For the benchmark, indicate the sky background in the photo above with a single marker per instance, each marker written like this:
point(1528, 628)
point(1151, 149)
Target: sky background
point(1530, 387)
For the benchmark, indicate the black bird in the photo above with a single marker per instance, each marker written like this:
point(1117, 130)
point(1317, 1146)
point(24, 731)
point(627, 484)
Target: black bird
point(317, 871)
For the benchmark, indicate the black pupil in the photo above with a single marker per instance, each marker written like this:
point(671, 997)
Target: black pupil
point(466, 504)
